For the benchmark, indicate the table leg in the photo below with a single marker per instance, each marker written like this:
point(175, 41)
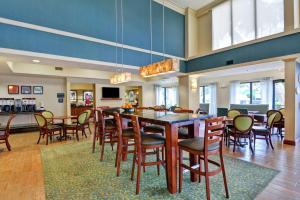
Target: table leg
point(171, 131)
point(193, 132)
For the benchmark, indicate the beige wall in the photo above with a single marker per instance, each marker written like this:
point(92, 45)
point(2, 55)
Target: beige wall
point(191, 33)
point(111, 103)
point(205, 33)
point(52, 86)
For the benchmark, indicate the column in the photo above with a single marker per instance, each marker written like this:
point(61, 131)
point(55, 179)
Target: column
point(188, 94)
point(291, 15)
point(67, 98)
point(292, 101)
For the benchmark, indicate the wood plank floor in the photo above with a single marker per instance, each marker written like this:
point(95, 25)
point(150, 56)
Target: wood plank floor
point(21, 175)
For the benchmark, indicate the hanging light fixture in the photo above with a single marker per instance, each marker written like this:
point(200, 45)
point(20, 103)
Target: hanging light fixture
point(123, 76)
point(166, 65)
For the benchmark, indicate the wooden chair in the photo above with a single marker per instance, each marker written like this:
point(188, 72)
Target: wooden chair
point(211, 144)
point(4, 133)
point(106, 133)
point(123, 137)
point(46, 129)
point(142, 144)
point(48, 115)
point(242, 128)
point(79, 125)
point(278, 122)
point(264, 132)
point(87, 122)
point(230, 114)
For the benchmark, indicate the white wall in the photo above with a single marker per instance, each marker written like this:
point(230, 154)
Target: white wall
point(52, 86)
point(223, 83)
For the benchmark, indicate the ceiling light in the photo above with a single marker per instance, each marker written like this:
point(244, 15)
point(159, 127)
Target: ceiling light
point(36, 61)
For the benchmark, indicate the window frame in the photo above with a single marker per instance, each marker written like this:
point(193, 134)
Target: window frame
point(203, 87)
point(231, 25)
point(273, 90)
point(251, 88)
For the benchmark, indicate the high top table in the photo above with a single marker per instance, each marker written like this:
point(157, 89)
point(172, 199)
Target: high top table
point(171, 121)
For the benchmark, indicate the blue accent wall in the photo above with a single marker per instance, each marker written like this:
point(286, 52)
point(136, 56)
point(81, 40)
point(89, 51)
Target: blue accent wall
point(94, 18)
point(281, 46)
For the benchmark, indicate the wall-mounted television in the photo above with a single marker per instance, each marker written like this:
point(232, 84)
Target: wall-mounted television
point(110, 92)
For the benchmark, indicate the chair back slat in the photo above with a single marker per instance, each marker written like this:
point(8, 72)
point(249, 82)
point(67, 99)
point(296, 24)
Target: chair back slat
point(137, 132)
point(100, 121)
point(214, 129)
point(214, 140)
point(118, 120)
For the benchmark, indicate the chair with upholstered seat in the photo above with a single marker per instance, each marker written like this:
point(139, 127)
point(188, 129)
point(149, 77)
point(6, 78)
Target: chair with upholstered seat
point(123, 139)
point(47, 129)
point(87, 122)
point(278, 122)
point(5, 131)
point(48, 115)
point(211, 144)
point(142, 144)
point(79, 125)
point(231, 114)
point(242, 128)
point(106, 132)
point(264, 132)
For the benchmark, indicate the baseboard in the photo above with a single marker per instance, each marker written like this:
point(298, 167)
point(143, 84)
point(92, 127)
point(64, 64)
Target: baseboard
point(289, 142)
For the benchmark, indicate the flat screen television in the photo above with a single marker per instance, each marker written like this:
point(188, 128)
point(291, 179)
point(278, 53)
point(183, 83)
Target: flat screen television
point(110, 92)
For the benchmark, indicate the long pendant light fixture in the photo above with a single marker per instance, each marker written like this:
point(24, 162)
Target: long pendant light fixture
point(166, 65)
point(122, 77)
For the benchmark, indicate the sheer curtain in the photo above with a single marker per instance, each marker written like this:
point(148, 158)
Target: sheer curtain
point(234, 92)
point(159, 95)
point(213, 102)
point(171, 96)
point(266, 89)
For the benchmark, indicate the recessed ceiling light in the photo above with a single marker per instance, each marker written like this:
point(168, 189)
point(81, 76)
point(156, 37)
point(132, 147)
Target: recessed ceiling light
point(36, 61)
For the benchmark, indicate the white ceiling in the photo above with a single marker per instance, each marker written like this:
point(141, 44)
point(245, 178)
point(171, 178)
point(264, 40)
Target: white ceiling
point(194, 4)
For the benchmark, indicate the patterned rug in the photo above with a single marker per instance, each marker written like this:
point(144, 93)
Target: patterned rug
point(71, 171)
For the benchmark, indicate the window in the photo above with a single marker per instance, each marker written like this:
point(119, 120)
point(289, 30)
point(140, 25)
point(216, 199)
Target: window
point(270, 17)
point(237, 21)
point(167, 96)
point(205, 94)
point(250, 93)
point(221, 26)
point(243, 21)
point(278, 94)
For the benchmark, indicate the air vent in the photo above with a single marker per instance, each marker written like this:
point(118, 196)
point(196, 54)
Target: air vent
point(58, 68)
point(229, 62)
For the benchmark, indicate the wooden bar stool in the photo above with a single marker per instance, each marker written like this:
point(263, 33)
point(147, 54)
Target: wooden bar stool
point(123, 137)
point(4, 133)
point(144, 142)
point(211, 144)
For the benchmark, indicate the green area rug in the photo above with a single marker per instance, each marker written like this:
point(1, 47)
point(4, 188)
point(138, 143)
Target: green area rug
point(71, 171)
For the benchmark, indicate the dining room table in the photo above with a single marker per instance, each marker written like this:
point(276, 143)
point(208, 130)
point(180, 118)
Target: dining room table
point(171, 121)
point(63, 120)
